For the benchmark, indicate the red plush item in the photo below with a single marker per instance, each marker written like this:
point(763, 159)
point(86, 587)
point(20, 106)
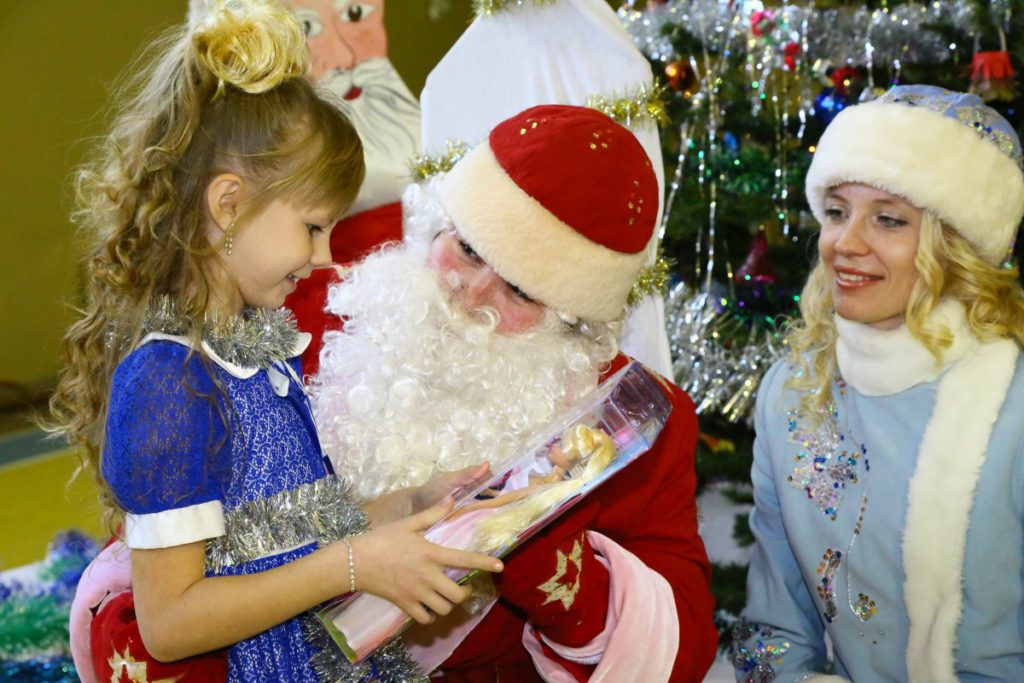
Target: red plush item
point(118, 654)
point(556, 579)
point(543, 145)
point(356, 236)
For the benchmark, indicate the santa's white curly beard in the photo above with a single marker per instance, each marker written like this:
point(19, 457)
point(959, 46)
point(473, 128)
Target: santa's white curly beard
point(414, 386)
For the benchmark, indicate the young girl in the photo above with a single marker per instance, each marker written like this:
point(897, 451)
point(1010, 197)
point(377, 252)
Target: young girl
point(889, 462)
point(211, 198)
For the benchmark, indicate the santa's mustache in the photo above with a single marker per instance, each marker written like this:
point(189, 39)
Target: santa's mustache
point(385, 113)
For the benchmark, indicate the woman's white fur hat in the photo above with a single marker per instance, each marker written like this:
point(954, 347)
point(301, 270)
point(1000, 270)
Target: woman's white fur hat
point(943, 151)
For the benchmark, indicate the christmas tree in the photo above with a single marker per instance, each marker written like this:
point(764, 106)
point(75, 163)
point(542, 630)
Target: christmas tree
point(750, 86)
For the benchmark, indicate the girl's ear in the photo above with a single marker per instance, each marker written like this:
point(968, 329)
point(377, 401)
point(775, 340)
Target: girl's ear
point(223, 196)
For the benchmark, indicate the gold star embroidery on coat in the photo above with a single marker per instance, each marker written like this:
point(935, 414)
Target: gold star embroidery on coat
point(554, 588)
point(123, 667)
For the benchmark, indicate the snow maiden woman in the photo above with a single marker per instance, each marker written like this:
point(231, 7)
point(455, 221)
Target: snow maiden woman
point(889, 463)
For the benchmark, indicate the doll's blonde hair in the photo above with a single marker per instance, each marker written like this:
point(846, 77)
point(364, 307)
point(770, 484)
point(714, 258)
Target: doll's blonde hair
point(593, 445)
point(949, 267)
point(228, 95)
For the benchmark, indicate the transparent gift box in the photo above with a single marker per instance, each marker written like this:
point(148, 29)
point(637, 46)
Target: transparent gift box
point(561, 464)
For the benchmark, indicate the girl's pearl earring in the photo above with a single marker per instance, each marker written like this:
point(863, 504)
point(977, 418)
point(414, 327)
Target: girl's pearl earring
point(229, 237)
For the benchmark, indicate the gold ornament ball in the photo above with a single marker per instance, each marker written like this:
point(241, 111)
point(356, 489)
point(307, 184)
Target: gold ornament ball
point(681, 77)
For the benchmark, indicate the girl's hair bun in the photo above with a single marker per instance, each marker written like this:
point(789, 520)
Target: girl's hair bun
point(252, 45)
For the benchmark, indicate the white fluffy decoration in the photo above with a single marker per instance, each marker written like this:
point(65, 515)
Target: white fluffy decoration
point(882, 362)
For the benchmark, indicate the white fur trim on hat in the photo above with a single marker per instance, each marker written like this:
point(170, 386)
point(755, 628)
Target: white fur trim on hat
point(531, 248)
point(933, 161)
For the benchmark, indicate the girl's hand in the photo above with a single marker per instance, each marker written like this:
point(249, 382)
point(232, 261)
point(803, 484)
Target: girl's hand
point(395, 562)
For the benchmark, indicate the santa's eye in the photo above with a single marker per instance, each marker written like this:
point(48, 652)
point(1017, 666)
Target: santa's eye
point(469, 252)
point(520, 294)
point(310, 21)
point(357, 11)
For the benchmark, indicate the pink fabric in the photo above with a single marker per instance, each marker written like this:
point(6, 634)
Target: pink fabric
point(431, 644)
point(109, 574)
point(641, 609)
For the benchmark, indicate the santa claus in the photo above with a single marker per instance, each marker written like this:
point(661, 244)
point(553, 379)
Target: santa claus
point(503, 307)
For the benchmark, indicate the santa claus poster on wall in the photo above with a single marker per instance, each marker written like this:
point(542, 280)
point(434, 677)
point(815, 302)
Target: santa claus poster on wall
point(350, 66)
point(349, 53)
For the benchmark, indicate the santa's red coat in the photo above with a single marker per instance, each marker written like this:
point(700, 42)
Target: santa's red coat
point(649, 508)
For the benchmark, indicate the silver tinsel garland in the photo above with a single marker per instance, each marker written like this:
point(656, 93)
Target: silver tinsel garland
point(391, 663)
point(836, 36)
point(254, 339)
point(721, 379)
point(322, 511)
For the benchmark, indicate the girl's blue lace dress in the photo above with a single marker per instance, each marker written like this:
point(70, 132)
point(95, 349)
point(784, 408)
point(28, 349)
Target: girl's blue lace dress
point(206, 449)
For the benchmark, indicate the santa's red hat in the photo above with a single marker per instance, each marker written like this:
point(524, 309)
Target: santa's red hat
point(561, 202)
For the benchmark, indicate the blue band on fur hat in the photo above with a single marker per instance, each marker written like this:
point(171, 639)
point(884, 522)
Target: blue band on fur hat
point(943, 151)
point(966, 108)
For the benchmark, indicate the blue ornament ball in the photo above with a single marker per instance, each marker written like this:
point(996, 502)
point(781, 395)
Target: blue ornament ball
point(828, 103)
point(731, 143)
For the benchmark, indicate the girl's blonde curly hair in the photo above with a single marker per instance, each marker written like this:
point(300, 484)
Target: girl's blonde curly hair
point(228, 95)
point(949, 267)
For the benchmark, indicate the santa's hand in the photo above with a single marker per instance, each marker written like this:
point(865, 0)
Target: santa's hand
point(396, 563)
point(556, 579)
point(447, 484)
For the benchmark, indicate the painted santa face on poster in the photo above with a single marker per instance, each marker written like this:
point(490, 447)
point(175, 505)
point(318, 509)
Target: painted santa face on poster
point(348, 46)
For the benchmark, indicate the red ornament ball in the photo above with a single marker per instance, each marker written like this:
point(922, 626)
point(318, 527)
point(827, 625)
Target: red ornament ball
point(790, 55)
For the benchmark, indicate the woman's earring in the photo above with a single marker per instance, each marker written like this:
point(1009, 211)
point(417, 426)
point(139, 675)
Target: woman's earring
point(229, 237)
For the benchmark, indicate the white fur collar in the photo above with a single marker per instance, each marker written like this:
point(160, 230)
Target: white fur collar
point(883, 362)
point(941, 496)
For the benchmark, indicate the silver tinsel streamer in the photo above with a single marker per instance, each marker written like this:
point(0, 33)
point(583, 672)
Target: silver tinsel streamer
point(322, 511)
point(835, 36)
point(391, 663)
point(254, 339)
point(720, 379)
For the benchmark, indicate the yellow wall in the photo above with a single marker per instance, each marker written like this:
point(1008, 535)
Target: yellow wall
point(57, 60)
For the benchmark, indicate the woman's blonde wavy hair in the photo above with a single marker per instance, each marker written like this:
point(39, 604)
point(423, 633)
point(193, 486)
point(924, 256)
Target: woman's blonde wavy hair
point(229, 95)
point(949, 267)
